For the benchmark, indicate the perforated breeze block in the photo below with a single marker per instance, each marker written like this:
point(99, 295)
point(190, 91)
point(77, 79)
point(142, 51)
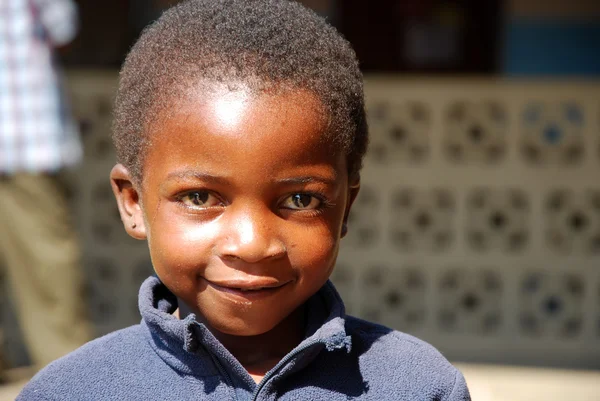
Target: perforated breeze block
point(477, 227)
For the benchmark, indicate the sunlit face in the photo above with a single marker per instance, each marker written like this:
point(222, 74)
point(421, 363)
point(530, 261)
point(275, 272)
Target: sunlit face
point(243, 205)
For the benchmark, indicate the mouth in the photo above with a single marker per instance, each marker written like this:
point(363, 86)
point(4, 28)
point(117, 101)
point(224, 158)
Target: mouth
point(253, 290)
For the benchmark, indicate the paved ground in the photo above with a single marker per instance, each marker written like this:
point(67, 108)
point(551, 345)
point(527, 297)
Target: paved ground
point(9, 392)
point(495, 383)
point(504, 383)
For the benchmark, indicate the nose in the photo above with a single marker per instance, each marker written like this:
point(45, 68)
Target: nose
point(251, 236)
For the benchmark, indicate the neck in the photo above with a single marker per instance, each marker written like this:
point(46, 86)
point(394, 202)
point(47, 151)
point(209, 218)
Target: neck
point(260, 353)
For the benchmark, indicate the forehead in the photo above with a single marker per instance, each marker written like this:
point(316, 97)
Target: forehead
point(241, 128)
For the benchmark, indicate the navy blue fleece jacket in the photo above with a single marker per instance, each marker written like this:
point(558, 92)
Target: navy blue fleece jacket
point(164, 358)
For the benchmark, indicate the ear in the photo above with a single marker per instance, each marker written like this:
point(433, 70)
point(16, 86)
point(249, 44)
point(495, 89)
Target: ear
point(128, 200)
point(354, 187)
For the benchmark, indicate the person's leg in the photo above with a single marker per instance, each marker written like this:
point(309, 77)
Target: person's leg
point(2, 362)
point(3, 365)
point(42, 261)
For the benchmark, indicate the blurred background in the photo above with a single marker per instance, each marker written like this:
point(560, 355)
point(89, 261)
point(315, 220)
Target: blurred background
point(478, 224)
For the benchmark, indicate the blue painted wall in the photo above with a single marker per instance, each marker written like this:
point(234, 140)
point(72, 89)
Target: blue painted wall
point(554, 47)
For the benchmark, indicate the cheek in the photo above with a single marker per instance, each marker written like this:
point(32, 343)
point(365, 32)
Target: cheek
point(179, 250)
point(196, 234)
point(315, 253)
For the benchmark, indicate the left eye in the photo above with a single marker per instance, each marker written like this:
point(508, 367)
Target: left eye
point(301, 202)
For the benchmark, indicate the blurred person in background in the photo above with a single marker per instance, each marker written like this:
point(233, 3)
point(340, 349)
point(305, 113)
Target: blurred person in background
point(39, 252)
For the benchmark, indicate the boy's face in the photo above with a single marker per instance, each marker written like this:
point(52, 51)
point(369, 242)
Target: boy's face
point(242, 204)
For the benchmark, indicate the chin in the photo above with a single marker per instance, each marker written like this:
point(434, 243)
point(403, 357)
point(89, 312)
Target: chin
point(242, 328)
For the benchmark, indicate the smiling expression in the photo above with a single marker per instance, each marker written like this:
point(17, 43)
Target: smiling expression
point(242, 203)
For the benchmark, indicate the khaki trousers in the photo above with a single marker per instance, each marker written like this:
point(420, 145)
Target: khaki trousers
point(40, 256)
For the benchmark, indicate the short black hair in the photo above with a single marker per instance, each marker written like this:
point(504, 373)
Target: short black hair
point(263, 44)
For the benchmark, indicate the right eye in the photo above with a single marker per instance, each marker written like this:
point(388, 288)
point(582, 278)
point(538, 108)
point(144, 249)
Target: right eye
point(199, 199)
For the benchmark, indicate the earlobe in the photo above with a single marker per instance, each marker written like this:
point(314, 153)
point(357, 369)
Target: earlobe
point(352, 193)
point(128, 201)
point(344, 228)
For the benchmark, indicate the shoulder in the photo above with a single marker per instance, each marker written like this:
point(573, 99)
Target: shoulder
point(376, 339)
point(92, 365)
point(406, 360)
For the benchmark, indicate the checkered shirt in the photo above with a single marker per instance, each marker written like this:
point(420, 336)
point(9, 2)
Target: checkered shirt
point(37, 133)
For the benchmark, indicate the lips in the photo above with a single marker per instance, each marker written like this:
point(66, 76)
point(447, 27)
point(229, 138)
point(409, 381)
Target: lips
point(245, 289)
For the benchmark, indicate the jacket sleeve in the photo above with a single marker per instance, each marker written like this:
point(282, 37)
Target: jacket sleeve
point(58, 19)
point(459, 392)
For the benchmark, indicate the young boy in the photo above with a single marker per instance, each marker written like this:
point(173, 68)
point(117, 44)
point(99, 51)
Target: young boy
point(240, 132)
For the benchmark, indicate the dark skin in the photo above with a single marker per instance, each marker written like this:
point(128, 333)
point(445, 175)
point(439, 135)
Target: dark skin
point(243, 205)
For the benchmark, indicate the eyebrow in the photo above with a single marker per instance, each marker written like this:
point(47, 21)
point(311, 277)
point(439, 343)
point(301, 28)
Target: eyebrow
point(308, 180)
point(215, 179)
point(200, 176)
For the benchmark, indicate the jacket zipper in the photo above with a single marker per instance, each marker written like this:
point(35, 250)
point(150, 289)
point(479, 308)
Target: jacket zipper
point(279, 365)
point(224, 373)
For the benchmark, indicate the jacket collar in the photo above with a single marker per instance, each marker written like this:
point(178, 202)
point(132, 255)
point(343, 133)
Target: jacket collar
point(189, 347)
